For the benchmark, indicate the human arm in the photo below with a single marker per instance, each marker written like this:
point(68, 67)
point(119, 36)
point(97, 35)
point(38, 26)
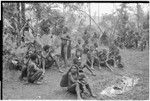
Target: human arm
point(70, 77)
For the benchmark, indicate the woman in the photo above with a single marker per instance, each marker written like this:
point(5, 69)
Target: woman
point(34, 74)
point(76, 82)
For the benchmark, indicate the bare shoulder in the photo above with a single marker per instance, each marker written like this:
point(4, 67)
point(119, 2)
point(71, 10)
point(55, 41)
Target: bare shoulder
point(69, 74)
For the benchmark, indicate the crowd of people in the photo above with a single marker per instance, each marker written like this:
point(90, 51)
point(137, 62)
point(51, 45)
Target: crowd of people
point(35, 63)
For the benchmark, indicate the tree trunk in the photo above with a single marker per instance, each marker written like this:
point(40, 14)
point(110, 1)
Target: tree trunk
point(98, 12)
point(23, 14)
point(18, 24)
point(63, 8)
point(23, 19)
point(137, 17)
point(90, 13)
point(38, 12)
point(18, 15)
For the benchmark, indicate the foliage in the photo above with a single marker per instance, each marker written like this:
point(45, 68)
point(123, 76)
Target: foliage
point(47, 24)
point(104, 39)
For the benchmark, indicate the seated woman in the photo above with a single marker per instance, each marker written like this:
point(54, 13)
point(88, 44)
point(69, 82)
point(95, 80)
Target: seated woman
point(47, 59)
point(32, 72)
point(76, 82)
point(24, 69)
point(26, 59)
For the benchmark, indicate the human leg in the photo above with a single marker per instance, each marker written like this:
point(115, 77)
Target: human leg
point(34, 78)
point(90, 90)
point(75, 89)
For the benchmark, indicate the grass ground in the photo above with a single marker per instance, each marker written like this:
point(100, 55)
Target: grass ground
point(136, 63)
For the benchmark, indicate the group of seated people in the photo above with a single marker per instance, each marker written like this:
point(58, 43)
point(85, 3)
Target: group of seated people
point(75, 79)
point(36, 63)
point(100, 58)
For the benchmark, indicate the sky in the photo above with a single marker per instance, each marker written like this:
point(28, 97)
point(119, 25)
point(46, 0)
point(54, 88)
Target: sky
point(110, 7)
point(107, 8)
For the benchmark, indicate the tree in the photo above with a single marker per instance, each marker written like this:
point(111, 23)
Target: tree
point(98, 12)
point(139, 15)
point(90, 13)
point(146, 22)
point(23, 19)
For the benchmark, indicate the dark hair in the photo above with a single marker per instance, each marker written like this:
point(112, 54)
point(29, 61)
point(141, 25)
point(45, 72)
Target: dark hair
point(75, 61)
point(71, 68)
point(46, 47)
point(33, 57)
point(96, 45)
point(86, 50)
point(80, 71)
point(104, 51)
point(68, 37)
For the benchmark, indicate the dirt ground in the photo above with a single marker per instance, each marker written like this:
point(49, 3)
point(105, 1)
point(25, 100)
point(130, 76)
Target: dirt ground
point(136, 63)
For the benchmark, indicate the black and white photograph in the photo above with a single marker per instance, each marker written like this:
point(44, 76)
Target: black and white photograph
point(75, 50)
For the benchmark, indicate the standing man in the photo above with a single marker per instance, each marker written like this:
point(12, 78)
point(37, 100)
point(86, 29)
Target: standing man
point(66, 49)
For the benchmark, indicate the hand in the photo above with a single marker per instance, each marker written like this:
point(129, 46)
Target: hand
point(77, 81)
point(94, 96)
point(43, 73)
point(92, 68)
point(60, 71)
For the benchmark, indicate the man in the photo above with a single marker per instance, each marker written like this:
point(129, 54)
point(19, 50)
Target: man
point(93, 56)
point(78, 55)
point(111, 59)
point(103, 59)
point(68, 47)
point(64, 50)
point(118, 62)
point(77, 82)
point(81, 60)
point(47, 59)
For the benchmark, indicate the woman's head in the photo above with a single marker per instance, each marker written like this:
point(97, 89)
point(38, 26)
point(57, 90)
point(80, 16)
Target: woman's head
point(46, 48)
point(76, 62)
point(86, 50)
point(33, 57)
point(74, 69)
point(79, 41)
point(95, 45)
point(104, 51)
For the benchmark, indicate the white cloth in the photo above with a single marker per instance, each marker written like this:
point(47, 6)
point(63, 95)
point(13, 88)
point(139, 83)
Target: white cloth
point(126, 85)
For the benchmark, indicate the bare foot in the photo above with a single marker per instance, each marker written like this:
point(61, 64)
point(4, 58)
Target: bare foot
point(92, 68)
point(79, 98)
point(93, 74)
point(60, 71)
point(39, 82)
point(94, 96)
